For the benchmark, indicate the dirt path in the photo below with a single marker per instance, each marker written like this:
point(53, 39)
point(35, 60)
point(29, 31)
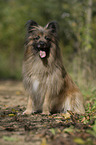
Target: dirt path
point(38, 129)
point(12, 93)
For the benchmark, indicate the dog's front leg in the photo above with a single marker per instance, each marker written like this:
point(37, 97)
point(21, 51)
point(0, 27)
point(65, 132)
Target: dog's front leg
point(46, 104)
point(30, 107)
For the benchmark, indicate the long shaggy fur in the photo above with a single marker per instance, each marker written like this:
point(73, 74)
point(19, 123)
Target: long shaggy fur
point(49, 86)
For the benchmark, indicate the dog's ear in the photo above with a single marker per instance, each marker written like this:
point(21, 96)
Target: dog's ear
point(30, 25)
point(53, 26)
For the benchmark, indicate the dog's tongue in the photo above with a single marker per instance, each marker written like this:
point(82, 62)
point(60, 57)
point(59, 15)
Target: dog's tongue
point(42, 54)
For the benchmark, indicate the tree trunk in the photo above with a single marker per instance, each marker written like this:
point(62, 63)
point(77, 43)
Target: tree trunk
point(88, 26)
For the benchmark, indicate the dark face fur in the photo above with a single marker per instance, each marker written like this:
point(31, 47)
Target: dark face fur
point(41, 38)
point(42, 43)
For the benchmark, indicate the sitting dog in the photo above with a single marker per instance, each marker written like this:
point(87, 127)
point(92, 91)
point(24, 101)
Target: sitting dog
point(49, 86)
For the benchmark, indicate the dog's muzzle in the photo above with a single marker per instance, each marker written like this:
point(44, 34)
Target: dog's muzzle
point(42, 48)
point(41, 45)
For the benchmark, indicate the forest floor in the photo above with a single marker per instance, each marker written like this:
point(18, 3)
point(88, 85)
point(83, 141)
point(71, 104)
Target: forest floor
point(39, 129)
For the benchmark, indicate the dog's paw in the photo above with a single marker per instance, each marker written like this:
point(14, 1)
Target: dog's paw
point(27, 112)
point(46, 112)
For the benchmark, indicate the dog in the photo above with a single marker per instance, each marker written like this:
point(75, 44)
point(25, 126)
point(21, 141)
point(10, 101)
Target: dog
point(49, 87)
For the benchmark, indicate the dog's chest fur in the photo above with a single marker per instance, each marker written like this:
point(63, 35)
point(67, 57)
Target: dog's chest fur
point(39, 79)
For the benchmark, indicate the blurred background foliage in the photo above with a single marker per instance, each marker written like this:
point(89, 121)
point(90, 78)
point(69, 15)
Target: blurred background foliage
point(77, 31)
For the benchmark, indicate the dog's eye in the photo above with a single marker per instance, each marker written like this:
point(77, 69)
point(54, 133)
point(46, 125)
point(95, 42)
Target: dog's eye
point(36, 38)
point(47, 38)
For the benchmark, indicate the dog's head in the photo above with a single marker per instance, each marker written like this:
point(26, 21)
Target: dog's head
point(41, 38)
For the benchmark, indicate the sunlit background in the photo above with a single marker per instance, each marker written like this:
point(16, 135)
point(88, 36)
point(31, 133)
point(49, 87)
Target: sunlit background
point(77, 34)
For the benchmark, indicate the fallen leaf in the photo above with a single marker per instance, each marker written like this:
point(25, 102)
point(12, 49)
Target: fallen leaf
point(13, 110)
point(44, 142)
point(8, 138)
point(18, 93)
point(11, 115)
point(79, 141)
point(6, 106)
point(94, 127)
point(68, 130)
point(91, 132)
point(53, 131)
point(83, 119)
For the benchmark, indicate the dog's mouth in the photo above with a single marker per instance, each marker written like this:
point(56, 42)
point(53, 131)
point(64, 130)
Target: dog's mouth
point(42, 54)
point(43, 49)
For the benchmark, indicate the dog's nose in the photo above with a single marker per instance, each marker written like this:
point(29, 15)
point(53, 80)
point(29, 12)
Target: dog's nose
point(42, 43)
